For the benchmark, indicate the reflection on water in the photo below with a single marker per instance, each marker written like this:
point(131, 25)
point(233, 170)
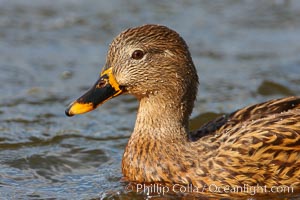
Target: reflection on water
point(272, 88)
point(245, 52)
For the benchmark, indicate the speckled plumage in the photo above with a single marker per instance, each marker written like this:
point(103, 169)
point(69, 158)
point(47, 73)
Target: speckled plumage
point(259, 144)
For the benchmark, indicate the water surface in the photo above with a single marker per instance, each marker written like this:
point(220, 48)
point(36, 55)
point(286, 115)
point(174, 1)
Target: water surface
point(51, 52)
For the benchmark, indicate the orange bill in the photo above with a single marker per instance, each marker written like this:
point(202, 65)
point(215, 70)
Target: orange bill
point(105, 88)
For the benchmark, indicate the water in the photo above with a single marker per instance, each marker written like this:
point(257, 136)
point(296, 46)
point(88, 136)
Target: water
point(51, 52)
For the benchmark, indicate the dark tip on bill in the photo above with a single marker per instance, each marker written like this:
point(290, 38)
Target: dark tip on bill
point(68, 113)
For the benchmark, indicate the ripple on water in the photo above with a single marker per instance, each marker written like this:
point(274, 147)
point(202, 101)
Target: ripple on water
point(245, 52)
point(272, 88)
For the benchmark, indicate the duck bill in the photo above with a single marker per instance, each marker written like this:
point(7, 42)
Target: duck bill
point(105, 88)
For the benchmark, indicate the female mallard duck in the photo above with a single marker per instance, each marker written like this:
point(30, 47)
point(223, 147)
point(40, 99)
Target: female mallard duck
point(256, 145)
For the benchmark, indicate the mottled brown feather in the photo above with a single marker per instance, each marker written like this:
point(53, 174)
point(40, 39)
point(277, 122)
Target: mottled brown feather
point(258, 144)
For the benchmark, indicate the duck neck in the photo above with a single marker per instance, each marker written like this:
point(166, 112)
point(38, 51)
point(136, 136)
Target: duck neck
point(160, 134)
point(161, 118)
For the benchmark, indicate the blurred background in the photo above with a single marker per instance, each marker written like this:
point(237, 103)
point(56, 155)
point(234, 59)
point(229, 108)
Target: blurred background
point(245, 51)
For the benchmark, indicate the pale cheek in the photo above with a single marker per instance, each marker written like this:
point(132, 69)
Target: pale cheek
point(123, 78)
point(120, 79)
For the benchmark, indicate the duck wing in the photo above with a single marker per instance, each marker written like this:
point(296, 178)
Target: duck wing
point(250, 113)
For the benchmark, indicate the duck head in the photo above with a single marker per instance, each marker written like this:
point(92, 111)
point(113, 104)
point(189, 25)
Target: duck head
point(146, 61)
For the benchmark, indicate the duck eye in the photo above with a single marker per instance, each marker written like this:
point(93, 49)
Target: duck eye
point(137, 54)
